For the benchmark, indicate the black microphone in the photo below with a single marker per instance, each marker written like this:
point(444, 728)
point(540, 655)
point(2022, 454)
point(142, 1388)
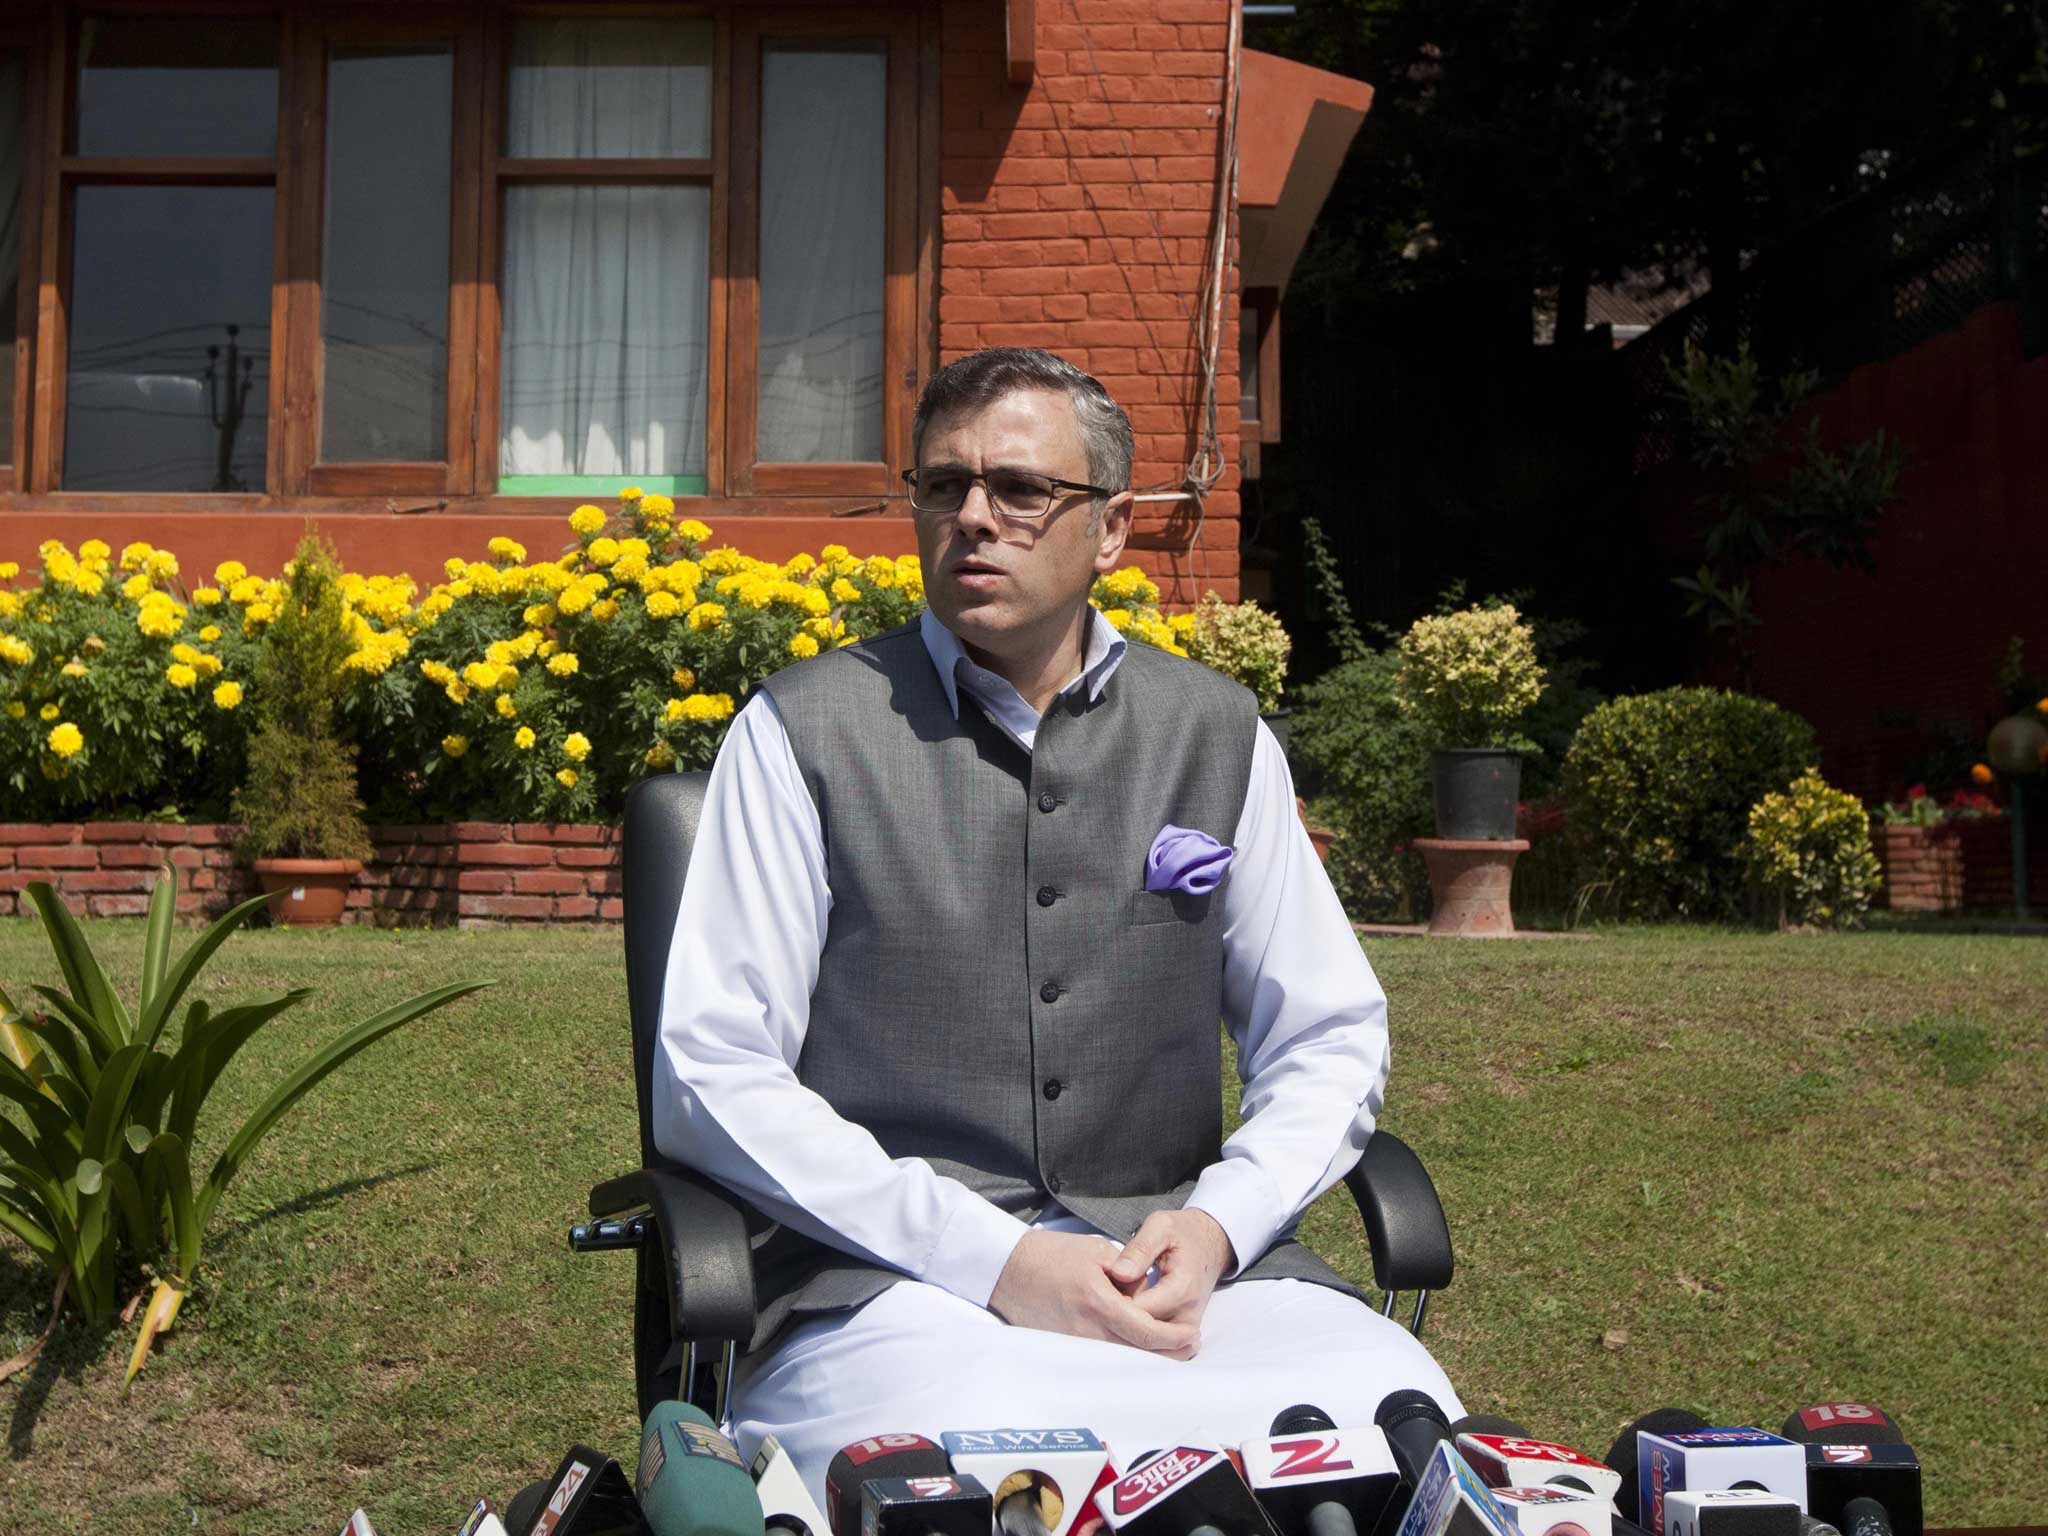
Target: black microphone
point(925, 1506)
point(878, 1456)
point(1313, 1479)
point(1415, 1426)
point(1627, 1449)
point(1485, 1424)
point(1860, 1472)
point(589, 1495)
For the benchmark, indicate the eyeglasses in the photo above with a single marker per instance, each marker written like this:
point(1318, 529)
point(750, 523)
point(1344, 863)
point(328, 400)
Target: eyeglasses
point(1012, 492)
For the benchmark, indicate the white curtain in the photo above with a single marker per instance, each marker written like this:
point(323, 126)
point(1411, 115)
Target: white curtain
point(823, 203)
point(606, 289)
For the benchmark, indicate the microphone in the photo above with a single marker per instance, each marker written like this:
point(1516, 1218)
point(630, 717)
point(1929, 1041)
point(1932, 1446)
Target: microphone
point(587, 1496)
point(483, 1520)
point(1696, 1460)
point(692, 1481)
point(900, 1456)
point(1624, 1455)
point(1186, 1491)
point(1040, 1478)
point(358, 1524)
point(1860, 1472)
point(1516, 1460)
point(1088, 1519)
point(924, 1506)
point(786, 1503)
point(1729, 1512)
point(1313, 1479)
point(1450, 1500)
point(1414, 1427)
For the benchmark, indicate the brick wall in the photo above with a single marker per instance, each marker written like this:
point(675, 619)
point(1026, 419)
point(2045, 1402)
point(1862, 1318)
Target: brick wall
point(472, 873)
point(1965, 865)
point(1076, 215)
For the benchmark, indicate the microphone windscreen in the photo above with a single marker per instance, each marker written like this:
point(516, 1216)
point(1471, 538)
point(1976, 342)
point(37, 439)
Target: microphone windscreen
point(692, 1480)
point(864, 1461)
point(524, 1507)
point(1622, 1456)
point(1488, 1424)
point(1301, 1419)
point(1841, 1424)
point(1414, 1425)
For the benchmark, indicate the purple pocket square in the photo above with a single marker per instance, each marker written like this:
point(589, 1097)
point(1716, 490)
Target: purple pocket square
point(1182, 859)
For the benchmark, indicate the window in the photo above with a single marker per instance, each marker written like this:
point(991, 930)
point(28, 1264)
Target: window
point(457, 254)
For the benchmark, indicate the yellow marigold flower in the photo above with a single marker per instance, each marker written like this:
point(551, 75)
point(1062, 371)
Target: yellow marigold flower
point(660, 755)
point(800, 564)
point(574, 600)
point(159, 623)
point(437, 672)
point(9, 569)
point(631, 494)
point(721, 562)
point(690, 531)
point(566, 777)
point(802, 646)
point(10, 604)
point(576, 746)
point(629, 567)
point(1119, 618)
point(16, 709)
point(661, 605)
point(605, 611)
point(586, 519)
point(684, 678)
point(523, 646)
point(849, 640)
point(94, 549)
point(210, 633)
point(162, 562)
point(88, 582)
point(257, 613)
point(227, 695)
point(185, 653)
point(457, 691)
point(564, 664)
point(244, 590)
point(207, 665)
point(603, 551)
point(707, 706)
point(845, 591)
point(820, 629)
point(480, 674)
point(66, 740)
point(502, 548)
point(523, 738)
point(74, 668)
point(228, 572)
point(706, 616)
point(455, 567)
point(672, 711)
point(815, 603)
point(455, 746)
point(831, 554)
point(49, 711)
point(506, 708)
point(178, 675)
point(136, 555)
point(16, 650)
point(207, 597)
point(540, 615)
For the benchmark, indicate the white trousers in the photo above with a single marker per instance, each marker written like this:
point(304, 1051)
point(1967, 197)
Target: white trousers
point(920, 1360)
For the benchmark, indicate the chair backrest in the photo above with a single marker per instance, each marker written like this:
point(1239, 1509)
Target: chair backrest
point(659, 829)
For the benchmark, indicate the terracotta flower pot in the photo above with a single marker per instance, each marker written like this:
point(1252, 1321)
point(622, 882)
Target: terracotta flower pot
point(307, 893)
point(1319, 838)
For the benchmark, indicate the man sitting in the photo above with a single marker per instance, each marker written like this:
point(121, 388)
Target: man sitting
point(944, 996)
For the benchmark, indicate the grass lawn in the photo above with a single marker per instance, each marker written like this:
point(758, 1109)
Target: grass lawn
point(1738, 1172)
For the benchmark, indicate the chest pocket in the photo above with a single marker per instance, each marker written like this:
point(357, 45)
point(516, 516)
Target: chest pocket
point(1150, 908)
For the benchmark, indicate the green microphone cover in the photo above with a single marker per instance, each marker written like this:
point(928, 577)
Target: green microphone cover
point(692, 1481)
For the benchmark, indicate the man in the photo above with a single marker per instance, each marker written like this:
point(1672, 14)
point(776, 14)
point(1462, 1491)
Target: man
point(923, 1010)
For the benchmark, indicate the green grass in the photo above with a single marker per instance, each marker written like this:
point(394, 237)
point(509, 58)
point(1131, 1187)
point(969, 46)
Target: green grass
point(1764, 1170)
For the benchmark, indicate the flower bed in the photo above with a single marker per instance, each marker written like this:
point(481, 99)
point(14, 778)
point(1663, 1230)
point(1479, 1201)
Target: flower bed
point(470, 873)
point(1956, 866)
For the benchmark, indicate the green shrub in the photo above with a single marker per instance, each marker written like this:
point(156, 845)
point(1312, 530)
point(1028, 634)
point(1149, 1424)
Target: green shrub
point(1658, 786)
point(1365, 764)
point(1809, 850)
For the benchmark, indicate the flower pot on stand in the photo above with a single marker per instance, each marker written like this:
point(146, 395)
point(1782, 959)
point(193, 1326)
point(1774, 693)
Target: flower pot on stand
point(307, 893)
point(1476, 791)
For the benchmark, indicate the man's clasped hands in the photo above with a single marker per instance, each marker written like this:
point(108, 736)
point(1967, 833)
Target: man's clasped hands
point(1083, 1284)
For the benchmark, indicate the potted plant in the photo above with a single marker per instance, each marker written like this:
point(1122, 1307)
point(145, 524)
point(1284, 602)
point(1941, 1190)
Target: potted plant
point(298, 794)
point(1469, 676)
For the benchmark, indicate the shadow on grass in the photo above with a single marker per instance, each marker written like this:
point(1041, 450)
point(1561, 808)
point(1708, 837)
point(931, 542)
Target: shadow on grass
point(313, 1200)
point(1986, 924)
point(25, 1287)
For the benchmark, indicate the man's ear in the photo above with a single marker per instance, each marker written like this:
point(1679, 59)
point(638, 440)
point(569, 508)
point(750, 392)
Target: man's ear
point(1116, 530)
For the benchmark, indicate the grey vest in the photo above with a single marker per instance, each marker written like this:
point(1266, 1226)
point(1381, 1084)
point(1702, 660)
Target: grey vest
point(998, 993)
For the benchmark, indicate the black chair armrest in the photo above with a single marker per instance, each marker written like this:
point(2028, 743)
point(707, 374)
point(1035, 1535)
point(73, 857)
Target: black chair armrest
point(702, 1230)
point(1404, 1221)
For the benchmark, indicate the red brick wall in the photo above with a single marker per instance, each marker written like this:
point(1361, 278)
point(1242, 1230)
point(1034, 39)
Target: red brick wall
point(1077, 216)
point(471, 873)
point(1966, 864)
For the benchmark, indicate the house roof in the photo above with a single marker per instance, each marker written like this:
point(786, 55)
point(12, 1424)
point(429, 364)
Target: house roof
point(1295, 125)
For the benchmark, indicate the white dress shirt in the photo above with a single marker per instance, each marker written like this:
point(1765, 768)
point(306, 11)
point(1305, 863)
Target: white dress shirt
point(1300, 1001)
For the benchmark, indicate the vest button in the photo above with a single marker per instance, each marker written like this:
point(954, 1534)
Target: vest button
point(1052, 1087)
point(1050, 992)
point(1052, 1182)
point(1047, 895)
point(1047, 801)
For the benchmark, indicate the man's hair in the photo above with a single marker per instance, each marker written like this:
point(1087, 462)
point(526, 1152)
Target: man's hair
point(982, 378)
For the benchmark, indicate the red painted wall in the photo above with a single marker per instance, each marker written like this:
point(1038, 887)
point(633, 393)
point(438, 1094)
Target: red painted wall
point(1076, 215)
point(1962, 561)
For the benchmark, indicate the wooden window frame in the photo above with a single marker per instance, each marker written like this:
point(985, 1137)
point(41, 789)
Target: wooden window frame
point(294, 478)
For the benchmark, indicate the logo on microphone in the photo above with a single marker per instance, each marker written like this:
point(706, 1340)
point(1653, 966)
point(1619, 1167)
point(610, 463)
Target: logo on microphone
point(558, 1506)
point(698, 1440)
point(1821, 1415)
point(1844, 1455)
point(867, 1450)
point(932, 1487)
point(1157, 1476)
point(1306, 1457)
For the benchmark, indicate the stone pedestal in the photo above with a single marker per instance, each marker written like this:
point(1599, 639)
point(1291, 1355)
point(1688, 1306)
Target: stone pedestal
point(1469, 882)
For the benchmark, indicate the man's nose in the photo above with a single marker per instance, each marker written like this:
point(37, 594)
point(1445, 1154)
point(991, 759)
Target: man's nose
point(977, 511)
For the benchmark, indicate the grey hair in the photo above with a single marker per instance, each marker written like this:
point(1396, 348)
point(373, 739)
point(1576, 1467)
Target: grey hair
point(982, 378)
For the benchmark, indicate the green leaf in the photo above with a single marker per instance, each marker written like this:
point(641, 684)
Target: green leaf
point(98, 1044)
point(81, 967)
point(156, 944)
point(170, 1170)
point(157, 1090)
point(51, 1123)
point(204, 1055)
point(31, 1227)
point(87, 1178)
point(310, 1072)
point(181, 976)
point(109, 1115)
point(138, 1137)
point(36, 1156)
point(127, 1193)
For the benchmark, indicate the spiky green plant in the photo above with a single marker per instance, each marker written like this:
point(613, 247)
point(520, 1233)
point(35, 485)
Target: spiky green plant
point(95, 1167)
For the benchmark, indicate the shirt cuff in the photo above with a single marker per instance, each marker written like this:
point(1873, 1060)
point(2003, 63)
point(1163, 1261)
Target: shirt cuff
point(1240, 1198)
point(970, 1254)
